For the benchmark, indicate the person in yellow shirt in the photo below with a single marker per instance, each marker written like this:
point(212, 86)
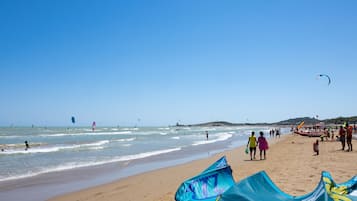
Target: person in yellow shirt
point(252, 143)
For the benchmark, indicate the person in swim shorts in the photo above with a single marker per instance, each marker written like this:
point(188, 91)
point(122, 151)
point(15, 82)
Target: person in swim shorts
point(252, 143)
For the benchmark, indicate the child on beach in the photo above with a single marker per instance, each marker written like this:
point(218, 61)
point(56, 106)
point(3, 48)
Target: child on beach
point(263, 144)
point(252, 142)
point(316, 147)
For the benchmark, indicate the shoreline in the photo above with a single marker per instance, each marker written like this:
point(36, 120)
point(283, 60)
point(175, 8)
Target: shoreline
point(290, 163)
point(193, 167)
point(47, 185)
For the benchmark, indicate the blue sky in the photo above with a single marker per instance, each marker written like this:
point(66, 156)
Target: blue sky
point(162, 62)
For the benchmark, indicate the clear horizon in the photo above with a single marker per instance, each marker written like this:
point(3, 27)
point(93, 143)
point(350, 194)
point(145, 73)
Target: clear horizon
point(155, 63)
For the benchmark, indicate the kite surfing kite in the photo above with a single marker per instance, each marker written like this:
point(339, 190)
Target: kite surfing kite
point(73, 120)
point(328, 77)
point(216, 183)
point(301, 125)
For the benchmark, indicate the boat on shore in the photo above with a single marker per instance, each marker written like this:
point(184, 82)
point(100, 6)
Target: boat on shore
point(310, 133)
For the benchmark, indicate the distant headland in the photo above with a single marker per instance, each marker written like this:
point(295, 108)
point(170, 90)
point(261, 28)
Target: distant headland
point(294, 121)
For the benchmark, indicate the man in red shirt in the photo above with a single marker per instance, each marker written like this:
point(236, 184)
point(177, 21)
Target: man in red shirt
point(349, 131)
point(342, 134)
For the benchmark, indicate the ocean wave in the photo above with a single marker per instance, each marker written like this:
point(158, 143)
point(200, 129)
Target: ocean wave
point(37, 150)
point(99, 143)
point(85, 133)
point(130, 129)
point(73, 165)
point(11, 136)
point(176, 138)
point(125, 140)
point(96, 148)
point(48, 149)
point(112, 133)
point(221, 137)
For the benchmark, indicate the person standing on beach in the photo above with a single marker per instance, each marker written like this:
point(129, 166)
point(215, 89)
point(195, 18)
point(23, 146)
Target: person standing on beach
point(342, 134)
point(252, 142)
point(349, 131)
point(316, 147)
point(263, 145)
point(277, 132)
point(207, 135)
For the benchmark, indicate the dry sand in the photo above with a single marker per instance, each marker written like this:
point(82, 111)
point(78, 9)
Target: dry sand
point(290, 163)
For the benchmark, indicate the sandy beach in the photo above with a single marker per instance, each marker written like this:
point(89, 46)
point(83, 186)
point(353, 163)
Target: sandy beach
point(290, 163)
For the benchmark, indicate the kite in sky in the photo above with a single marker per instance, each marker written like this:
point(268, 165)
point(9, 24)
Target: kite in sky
point(328, 77)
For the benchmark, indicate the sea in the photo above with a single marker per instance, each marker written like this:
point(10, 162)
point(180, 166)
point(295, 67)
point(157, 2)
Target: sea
point(67, 159)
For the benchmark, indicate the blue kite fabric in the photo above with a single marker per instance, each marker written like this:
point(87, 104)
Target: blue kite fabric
point(259, 187)
point(208, 185)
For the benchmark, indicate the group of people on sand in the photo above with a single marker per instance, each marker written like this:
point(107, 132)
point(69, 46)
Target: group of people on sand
point(253, 143)
point(274, 132)
point(345, 136)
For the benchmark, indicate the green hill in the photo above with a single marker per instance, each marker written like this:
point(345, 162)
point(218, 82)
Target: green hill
point(293, 121)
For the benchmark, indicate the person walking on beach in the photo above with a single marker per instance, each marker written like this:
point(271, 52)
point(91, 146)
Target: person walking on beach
point(342, 134)
point(27, 145)
point(263, 145)
point(252, 142)
point(349, 131)
point(277, 132)
point(316, 147)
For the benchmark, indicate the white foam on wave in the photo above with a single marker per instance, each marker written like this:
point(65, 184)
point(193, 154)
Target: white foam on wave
point(74, 165)
point(145, 154)
point(86, 133)
point(221, 137)
point(99, 143)
point(48, 149)
point(125, 140)
point(175, 138)
point(38, 150)
point(112, 133)
point(96, 148)
point(130, 129)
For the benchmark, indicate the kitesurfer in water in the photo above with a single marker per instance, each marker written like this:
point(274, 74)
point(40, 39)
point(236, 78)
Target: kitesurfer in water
point(27, 145)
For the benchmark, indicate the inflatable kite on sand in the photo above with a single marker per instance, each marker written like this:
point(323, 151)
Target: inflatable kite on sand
point(260, 187)
point(216, 184)
point(208, 185)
